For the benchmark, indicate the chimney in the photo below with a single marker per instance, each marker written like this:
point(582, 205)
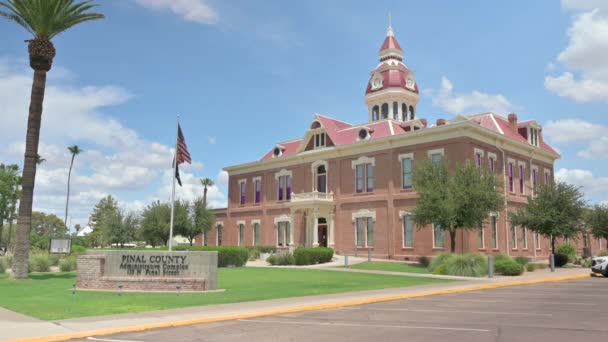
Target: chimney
point(513, 122)
point(424, 122)
point(440, 122)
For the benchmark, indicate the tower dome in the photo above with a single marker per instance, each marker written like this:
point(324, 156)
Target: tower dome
point(392, 91)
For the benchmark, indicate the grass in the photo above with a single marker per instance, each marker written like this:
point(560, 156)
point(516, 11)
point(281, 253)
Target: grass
point(47, 296)
point(390, 266)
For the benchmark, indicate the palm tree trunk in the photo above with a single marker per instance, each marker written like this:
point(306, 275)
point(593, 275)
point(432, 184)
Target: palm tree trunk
point(205, 197)
point(10, 231)
point(24, 221)
point(67, 200)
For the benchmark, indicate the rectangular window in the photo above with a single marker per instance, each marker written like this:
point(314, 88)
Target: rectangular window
point(219, 235)
point(241, 234)
point(284, 188)
point(287, 233)
point(319, 140)
point(481, 237)
point(511, 177)
point(494, 232)
point(438, 236)
point(513, 236)
point(536, 240)
point(492, 163)
point(524, 238)
point(370, 232)
point(478, 159)
point(534, 180)
point(361, 223)
point(258, 191)
point(281, 187)
point(281, 234)
point(288, 187)
point(364, 178)
point(406, 167)
point(256, 234)
point(436, 157)
point(521, 179)
point(243, 186)
point(546, 178)
point(408, 231)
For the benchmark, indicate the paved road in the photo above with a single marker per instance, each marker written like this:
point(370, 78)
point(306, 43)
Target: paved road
point(566, 311)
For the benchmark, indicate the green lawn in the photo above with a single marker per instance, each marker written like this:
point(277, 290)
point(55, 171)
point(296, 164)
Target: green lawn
point(390, 266)
point(48, 296)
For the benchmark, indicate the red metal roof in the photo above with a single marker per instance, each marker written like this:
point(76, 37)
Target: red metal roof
point(393, 78)
point(390, 42)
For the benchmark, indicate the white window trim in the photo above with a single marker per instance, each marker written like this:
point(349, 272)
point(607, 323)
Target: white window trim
point(515, 230)
point(402, 215)
point(520, 176)
point(253, 180)
point(283, 172)
point(217, 236)
point(242, 181)
point(363, 160)
point(545, 173)
point(253, 222)
point(365, 244)
point(313, 169)
point(401, 157)
point(441, 151)
point(537, 244)
point(492, 229)
point(406, 156)
point(282, 219)
point(363, 213)
point(483, 236)
point(314, 137)
point(525, 239)
point(479, 151)
point(238, 229)
point(492, 156)
point(435, 246)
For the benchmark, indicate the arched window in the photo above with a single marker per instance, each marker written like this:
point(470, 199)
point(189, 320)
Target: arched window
point(375, 113)
point(395, 111)
point(412, 115)
point(385, 111)
point(404, 111)
point(321, 179)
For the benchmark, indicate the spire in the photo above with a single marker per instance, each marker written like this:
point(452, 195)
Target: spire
point(390, 47)
point(389, 32)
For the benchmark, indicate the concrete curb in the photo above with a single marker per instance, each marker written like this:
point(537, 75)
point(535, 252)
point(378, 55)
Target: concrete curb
point(85, 334)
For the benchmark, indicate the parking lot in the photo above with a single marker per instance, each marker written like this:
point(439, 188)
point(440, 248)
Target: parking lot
point(564, 311)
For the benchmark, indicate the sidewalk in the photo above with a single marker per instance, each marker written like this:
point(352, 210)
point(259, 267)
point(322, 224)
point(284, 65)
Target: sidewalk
point(14, 326)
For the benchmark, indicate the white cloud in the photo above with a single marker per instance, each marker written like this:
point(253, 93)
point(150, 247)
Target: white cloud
point(585, 55)
point(591, 185)
point(571, 130)
point(222, 177)
point(197, 11)
point(584, 4)
point(475, 101)
point(190, 190)
point(597, 149)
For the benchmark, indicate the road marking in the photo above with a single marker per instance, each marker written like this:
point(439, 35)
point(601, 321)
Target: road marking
point(496, 301)
point(362, 325)
point(456, 311)
point(108, 340)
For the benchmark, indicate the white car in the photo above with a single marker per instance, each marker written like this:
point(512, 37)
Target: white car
point(600, 265)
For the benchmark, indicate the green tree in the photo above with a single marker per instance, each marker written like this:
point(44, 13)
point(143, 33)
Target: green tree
point(461, 199)
point(206, 183)
point(203, 220)
point(104, 209)
point(74, 150)
point(597, 220)
point(48, 225)
point(120, 228)
point(9, 190)
point(155, 223)
point(43, 19)
point(555, 212)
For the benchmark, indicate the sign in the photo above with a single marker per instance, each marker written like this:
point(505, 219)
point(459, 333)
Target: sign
point(61, 246)
point(157, 264)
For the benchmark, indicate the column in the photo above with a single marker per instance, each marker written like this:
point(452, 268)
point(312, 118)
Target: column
point(315, 228)
point(331, 230)
point(307, 229)
point(291, 228)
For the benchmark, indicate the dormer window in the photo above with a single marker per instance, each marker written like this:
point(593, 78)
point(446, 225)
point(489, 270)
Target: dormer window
point(365, 133)
point(277, 152)
point(533, 136)
point(319, 140)
point(376, 82)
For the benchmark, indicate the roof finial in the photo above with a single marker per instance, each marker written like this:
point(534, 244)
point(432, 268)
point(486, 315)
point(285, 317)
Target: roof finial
point(390, 33)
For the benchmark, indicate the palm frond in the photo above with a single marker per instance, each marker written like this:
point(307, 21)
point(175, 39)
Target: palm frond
point(48, 18)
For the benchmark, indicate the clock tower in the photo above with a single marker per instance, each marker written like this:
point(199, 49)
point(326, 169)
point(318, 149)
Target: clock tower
point(392, 91)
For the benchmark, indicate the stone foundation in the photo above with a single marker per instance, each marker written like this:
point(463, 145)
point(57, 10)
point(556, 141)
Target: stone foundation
point(147, 271)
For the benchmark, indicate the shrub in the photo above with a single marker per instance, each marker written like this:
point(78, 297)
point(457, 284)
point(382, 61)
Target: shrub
point(267, 249)
point(512, 268)
point(281, 259)
point(499, 258)
point(530, 267)
point(78, 249)
point(440, 269)
point(254, 253)
point(40, 263)
point(54, 259)
point(311, 256)
point(227, 256)
point(6, 262)
point(2, 268)
point(438, 261)
point(424, 261)
point(466, 265)
point(586, 262)
point(522, 260)
point(566, 249)
point(68, 264)
point(540, 266)
point(560, 259)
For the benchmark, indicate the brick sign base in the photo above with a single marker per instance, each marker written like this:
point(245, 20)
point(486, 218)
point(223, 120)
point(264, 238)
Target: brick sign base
point(147, 271)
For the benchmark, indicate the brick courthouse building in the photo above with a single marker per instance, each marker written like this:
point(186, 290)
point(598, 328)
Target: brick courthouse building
point(349, 186)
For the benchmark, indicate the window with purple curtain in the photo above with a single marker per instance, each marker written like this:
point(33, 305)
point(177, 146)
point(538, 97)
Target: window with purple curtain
point(478, 159)
point(521, 179)
point(510, 177)
point(258, 191)
point(492, 164)
point(359, 178)
point(534, 179)
point(281, 187)
point(288, 187)
point(243, 192)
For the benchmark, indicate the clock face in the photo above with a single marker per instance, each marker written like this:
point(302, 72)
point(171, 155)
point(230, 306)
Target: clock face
point(410, 83)
point(377, 82)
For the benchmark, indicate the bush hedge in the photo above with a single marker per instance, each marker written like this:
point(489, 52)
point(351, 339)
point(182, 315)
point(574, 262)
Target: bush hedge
point(522, 260)
point(511, 268)
point(39, 263)
point(466, 265)
point(530, 267)
point(438, 262)
point(566, 249)
point(424, 261)
point(311, 256)
point(2, 268)
point(281, 259)
point(560, 259)
point(6, 262)
point(228, 256)
point(78, 249)
point(68, 264)
point(255, 251)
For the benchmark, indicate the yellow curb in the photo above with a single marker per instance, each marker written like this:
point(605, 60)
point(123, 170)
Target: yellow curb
point(85, 334)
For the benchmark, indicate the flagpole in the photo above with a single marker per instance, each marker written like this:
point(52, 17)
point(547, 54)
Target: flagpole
point(173, 188)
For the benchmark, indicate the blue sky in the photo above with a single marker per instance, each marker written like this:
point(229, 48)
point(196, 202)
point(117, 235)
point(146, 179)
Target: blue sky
point(245, 75)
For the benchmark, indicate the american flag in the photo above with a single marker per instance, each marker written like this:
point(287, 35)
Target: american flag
point(183, 156)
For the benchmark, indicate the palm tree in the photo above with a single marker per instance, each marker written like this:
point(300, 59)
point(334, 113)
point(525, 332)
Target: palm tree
point(206, 182)
point(44, 19)
point(74, 150)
